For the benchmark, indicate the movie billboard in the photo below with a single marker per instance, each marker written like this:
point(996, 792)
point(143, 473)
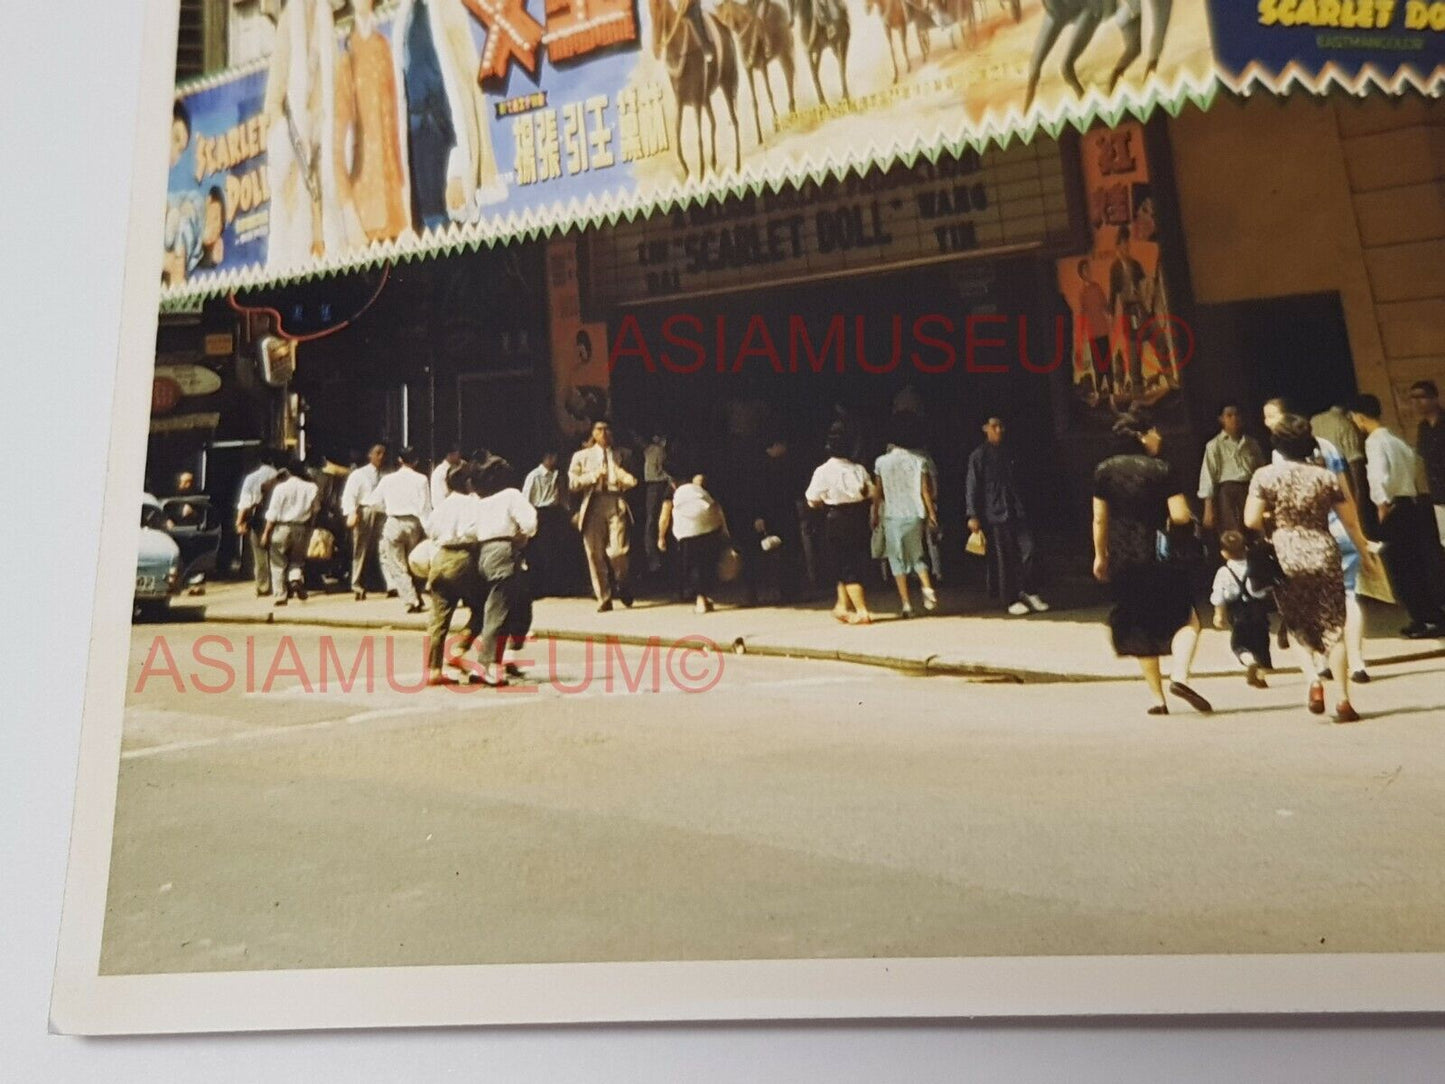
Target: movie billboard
point(442, 123)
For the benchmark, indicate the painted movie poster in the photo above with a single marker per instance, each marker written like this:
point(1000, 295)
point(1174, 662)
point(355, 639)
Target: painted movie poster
point(441, 122)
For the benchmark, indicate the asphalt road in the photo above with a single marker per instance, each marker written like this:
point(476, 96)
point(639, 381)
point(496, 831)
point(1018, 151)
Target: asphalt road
point(792, 809)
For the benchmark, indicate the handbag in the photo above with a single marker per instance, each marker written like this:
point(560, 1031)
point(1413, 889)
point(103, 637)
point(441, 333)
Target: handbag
point(977, 544)
point(1180, 543)
point(729, 563)
point(420, 558)
point(321, 546)
point(1262, 562)
point(878, 542)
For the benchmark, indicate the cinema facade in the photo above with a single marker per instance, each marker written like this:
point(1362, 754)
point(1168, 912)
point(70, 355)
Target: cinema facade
point(489, 225)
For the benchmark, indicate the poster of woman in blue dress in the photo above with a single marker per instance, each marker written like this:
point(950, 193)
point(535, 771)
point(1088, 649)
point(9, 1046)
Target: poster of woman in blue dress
point(451, 170)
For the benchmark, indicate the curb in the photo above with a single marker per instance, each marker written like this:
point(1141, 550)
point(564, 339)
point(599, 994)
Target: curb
point(930, 665)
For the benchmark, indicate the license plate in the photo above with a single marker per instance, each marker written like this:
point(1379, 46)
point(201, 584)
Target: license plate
point(145, 584)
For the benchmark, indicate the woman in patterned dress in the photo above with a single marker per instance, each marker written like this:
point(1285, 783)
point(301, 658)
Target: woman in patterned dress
point(1298, 497)
point(1136, 495)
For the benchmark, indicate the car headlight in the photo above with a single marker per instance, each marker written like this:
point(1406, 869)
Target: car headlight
point(173, 574)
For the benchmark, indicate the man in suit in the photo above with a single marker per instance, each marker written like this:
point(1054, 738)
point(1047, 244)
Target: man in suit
point(598, 480)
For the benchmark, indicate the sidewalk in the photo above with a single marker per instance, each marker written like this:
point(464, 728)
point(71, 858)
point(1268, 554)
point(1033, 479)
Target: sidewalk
point(967, 636)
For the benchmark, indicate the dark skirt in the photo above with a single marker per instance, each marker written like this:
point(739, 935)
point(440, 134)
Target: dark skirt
point(699, 562)
point(847, 542)
point(1152, 601)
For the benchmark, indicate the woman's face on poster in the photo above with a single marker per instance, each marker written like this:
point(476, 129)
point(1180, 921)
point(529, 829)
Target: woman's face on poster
point(180, 137)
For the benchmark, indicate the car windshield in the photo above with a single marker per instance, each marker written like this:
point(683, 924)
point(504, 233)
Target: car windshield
point(152, 516)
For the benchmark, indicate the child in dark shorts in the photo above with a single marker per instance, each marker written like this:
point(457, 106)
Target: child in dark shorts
point(1242, 608)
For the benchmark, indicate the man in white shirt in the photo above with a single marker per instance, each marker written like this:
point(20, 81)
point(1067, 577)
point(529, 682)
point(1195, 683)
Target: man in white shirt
point(454, 525)
point(1407, 523)
point(450, 462)
point(404, 496)
point(288, 527)
point(506, 521)
point(363, 520)
point(546, 553)
point(250, 523)
point(598, 474)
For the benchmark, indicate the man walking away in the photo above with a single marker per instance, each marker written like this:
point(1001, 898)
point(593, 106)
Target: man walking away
point(1406, 521)
point(455, 579)
point(362, 519)
point(250, 523)
point(995, 507)
point(598, 475)
point(404, 496)
point(1230, 460)
point(439, 473)
point(544, 555)
point(288, 526)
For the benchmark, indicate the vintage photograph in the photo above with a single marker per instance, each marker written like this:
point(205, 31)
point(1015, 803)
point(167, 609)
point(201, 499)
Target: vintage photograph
point(777, 481)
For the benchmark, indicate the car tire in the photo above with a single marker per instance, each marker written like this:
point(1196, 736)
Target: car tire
point(150, 610)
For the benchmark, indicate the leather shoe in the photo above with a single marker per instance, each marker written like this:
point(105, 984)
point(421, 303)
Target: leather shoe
point(1189, 696)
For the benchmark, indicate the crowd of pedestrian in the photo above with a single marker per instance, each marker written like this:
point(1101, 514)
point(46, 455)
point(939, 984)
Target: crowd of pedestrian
point(1289, 533)
point(1340, 499)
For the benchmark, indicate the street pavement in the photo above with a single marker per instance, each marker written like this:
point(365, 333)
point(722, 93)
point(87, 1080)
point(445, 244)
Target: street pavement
point(791, 809)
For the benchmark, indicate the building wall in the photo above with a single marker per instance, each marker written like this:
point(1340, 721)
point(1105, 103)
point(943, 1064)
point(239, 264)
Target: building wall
point(1293, 197)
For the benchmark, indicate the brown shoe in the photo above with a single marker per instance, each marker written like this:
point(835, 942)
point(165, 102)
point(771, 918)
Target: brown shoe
point(1344, 713)
point(1317, 698)
point(1190, 697)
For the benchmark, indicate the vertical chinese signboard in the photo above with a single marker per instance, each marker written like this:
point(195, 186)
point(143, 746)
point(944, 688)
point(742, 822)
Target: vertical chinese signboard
point(1125, 346)
point(579, 351)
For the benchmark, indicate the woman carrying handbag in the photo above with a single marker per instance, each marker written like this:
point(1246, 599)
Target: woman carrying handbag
point(696, 520)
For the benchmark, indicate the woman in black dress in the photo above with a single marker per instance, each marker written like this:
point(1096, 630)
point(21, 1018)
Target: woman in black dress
point(1135, 497)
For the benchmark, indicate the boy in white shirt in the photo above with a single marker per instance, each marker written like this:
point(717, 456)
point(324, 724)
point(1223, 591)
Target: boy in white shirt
point(1241, 607)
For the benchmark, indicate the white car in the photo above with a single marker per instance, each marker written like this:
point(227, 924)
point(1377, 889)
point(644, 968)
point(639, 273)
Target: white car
point(158, 560)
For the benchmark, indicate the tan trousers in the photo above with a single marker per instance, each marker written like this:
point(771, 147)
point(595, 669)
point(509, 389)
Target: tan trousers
point(363, 538)
point(606, 536)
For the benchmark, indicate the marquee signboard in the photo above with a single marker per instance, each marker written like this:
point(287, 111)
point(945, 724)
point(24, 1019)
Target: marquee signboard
point(442, 124)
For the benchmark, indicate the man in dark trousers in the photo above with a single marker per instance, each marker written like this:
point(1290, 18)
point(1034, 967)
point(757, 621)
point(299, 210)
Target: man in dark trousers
point(1407, 521)
point(995, 507)
point(774, 564)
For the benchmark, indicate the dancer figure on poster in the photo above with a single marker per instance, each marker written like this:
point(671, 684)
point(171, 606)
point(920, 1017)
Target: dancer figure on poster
point(311, 212)
point(368, 139)
point(451, 168)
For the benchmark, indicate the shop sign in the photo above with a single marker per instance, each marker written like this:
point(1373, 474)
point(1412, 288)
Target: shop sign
point(185, 423)
point(190, 380)
point(975, 203)
point(165, 394)
point(557, 115)
point(1393, 44)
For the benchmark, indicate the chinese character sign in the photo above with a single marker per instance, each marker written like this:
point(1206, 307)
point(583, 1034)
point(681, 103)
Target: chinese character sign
point(447, 122)
point(1125, 343)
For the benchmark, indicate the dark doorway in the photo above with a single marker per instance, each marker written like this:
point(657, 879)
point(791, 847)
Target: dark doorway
point(1295, 347)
